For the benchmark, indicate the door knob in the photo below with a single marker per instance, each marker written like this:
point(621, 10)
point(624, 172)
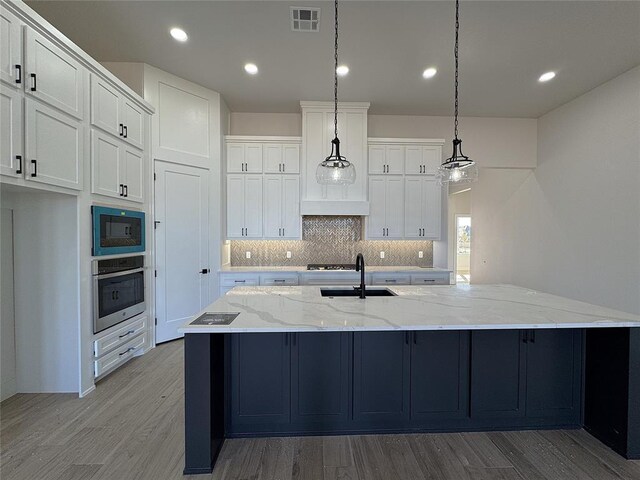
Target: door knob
point(204, 271)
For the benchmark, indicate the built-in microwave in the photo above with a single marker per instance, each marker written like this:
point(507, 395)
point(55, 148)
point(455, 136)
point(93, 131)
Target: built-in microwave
point(117, 231)
point(118, 290)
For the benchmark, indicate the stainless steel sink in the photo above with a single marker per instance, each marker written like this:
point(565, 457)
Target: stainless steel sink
point(355, 292)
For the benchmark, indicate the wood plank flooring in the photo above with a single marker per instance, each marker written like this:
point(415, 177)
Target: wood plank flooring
point(132, 428)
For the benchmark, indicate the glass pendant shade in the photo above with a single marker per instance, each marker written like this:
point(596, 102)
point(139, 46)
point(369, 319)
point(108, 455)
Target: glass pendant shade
point(458, 168)
point(335, 169)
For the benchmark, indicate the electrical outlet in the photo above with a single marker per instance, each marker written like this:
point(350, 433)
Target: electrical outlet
point(247, 254)
point(420, 254)
point(381, 254)
point(288, 254)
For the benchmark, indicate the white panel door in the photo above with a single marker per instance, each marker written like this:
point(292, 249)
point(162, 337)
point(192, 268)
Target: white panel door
point(272, 206)
point(132, 168)
point(53, 146)
point(11, 70)
point(235, 157)
point(133, 121)
point(413, 207)
point(253, 158)
point(376, 222)
point(11, 137)
point(105, 106)
point(272, 158)
point(53, 76)
point(182, 246)
point(413, 161)
point(253, 206)
point(431, 159)
point(377, 159)
point(432, 212)
point(105, 165)
point(291, 207)
point(291, 159)
point(395, 159)
point(394, 207)
point(235, 206)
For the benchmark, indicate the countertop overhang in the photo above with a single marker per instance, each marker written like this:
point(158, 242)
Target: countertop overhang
point(447, 307)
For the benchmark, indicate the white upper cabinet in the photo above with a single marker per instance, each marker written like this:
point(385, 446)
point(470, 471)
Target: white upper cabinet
point(422, 160)
point(410, 156)
point(53, 146)
point(386, 159)
point(422, 208)
point(272, 158)
point(244, 158)
point(53, 76)
point(272, 205)
point(386, 214)
point(244, 206)
point(377, 160)
point(11, 135)
point(106, 104)
point(281, 207)
point(133, 123)
point(290, 158)
point(11, 71)
point(132, 166)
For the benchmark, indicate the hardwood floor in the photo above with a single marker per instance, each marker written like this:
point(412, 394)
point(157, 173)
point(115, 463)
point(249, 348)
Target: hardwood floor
point(132, 428)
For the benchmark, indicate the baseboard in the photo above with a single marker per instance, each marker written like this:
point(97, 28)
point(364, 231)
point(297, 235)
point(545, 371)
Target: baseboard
point(87, 391)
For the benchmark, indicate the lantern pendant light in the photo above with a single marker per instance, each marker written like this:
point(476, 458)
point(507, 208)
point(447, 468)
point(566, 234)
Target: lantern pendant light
point(458, 168)
point(335, 169)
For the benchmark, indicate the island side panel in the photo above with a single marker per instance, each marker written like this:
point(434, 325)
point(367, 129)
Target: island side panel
point(633, 441)
point(204, 396)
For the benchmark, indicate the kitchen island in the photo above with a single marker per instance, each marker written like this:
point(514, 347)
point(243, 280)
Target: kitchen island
point(439, 358)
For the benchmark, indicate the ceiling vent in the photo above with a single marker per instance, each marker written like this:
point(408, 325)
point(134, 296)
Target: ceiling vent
point(305, 19)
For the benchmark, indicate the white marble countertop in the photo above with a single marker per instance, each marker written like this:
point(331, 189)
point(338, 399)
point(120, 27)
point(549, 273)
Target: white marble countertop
point(446, 307)
point(303, 269)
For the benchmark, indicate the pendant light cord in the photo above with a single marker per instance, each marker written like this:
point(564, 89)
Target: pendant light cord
point(455, 52)
point(335, 75)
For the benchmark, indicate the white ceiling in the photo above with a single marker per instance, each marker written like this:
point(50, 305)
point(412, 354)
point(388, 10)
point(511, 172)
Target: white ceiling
point(505, 46)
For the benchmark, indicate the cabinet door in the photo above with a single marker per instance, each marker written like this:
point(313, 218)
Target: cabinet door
point(235, 158)
point(413, 207)
point(413, 161)
point(376, 221)
point(53, 146)
point(377, 159)
point(431, 159)
point(432, 212)
point(394, 207)
point(133, 174)
point(291, 158)
point(272, 158)
point(105, 106)
point(395, 159)
point(439, 375)
point(498, 370)
point(291, 221)
point(11, 136)
point(554, 359)
point(253, 206)
point(381, 377)
point(106, 177)
point(260, 379)
point(273, 206)
point(133, 120)
point(320, 373)
point(253, 157)
point(235, 206)
point(10, 49)
point(52, 76)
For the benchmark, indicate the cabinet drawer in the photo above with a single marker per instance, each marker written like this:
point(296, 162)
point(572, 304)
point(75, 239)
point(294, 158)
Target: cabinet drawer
point(324, 279)
point(442, 279)
point(120, 355)
point(390, 279)
point(239, 280)
point(275, 279)
point(121, 336)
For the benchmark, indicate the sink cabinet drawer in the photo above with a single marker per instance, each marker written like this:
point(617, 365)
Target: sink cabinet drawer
point(278, 279)
point(430, 279)
point(239, 280)
point(119, 337)
point(390, 279)
point(120, 355)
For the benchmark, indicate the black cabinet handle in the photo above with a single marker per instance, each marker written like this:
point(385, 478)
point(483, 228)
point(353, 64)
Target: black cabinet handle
point(532, 337)
point(406, 338)
point(122, 190)
point(286, 339)
point(113, 295)
point(121, 129)
point(524, 336)
point(204, 271)
point(35, 168)
point(33, 82)
point(126, 190)
point(125, 132)
point(130, 349)
point(239, 281)
point(19, 159)
point(18, 73)
point(127, 334)
point(283, 169)
point(415, 338)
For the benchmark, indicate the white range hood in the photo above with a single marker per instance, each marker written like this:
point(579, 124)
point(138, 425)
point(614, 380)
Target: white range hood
point(317, 133)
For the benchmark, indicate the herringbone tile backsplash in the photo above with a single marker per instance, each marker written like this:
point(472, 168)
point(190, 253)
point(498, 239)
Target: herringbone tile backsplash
point(327, 239)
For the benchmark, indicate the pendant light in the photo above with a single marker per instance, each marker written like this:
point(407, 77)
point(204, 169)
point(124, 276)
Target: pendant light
point(458, 168)
point(335, 169)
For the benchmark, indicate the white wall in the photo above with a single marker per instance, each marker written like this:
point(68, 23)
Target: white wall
point(572, 226)
point(131, 73)
point(280, 124)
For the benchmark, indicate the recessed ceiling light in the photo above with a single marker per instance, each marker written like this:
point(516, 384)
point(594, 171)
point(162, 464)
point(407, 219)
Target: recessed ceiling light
point(342, 70)
point(545, 77)
point(251, 68)
point(179, 34)
point(429, 73)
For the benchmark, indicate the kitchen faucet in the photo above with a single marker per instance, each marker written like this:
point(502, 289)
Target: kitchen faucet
point(360, 268)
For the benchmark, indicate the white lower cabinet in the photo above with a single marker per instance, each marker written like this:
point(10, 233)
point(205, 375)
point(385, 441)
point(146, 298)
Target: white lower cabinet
point(275, 279)
point(53, 146)
point(422, 214)
point(121, 355)
point(244, 206)
point(436, 278)
point(11, 135)
point(386, 208)
point(282, 207)
point(229, 281)
point(116, 347)
point(390, 279)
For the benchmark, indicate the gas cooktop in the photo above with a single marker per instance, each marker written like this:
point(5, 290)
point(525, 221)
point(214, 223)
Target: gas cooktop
point(331, 266)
